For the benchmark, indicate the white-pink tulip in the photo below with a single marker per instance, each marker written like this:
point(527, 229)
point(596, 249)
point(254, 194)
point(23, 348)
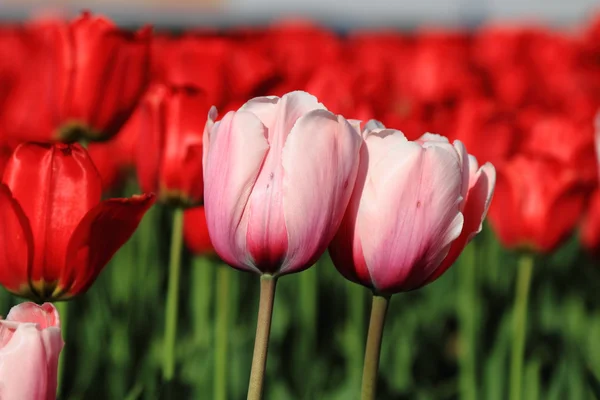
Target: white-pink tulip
point(30, 344)
point(415, 206)
point(278, 176)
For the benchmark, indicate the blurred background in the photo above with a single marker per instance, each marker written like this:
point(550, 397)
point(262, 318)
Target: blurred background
point(450, 340)
point(337, 13)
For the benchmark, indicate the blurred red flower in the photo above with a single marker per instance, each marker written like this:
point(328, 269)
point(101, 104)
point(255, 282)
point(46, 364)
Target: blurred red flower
point(537, 203)
point(83, 79)
point(195, 231)
point(169, 150)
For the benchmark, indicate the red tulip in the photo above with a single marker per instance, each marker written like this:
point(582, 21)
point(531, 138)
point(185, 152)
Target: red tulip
point(489, 132)
point(82, 78)
point(195, 231)
point(537, 203)
point(590, 227)
point(223, 68)
point(115, 157)
point(169, 157)
point(57, 234)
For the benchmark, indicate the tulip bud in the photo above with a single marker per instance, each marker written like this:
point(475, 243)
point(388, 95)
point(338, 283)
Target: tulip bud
point(30, 344)
point(278, 175)
point(414, 208)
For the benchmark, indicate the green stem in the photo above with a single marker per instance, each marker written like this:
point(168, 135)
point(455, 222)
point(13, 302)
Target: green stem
point(202, 282)
point(261, 342)
point(62, 307)
point(371, 364)
point(173, 295)
point(520, 325)
point(355, 331)
point(222, 308)
point(467, 311)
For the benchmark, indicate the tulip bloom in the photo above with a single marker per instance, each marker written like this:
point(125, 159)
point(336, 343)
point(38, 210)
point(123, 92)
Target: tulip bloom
point(278, 176)
point(169, 156)
point(195, 231)
point(57, 234)
point(538, 203)
point(30, 344)
point(414, 208)
point(83, 79)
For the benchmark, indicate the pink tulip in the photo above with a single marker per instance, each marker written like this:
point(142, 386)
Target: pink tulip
point(415, 207)
point(278, 176)
point(30, 343)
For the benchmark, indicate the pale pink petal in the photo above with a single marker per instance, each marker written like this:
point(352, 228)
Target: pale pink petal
point(431, 137)
point(372, 125)
point(476, 207)
point(265, 108)
point(320, 161)
point(53, 343)
point(412, 198)
point(208, 128)
point(237, 149)
point(23, 366)
point(45, 315)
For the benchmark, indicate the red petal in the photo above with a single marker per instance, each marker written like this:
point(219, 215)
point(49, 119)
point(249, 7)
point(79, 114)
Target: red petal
point(56, 185)
point(195, 231)
point(16, 242)
point(99, 235)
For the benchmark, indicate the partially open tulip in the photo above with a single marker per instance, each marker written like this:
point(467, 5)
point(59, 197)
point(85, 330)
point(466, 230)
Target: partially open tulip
point(538, 203)
point(57, 235)
point(414, 208)
point(195, 231)
point(30, 343)
point(278, 176)
point(83, 79)
point(169, 154)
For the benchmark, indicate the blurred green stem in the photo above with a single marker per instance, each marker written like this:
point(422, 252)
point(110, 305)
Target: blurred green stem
point(261, 342)
point(173, 295)
point(467, 303)
point(371, 364)
point(202, 282)
point(307, 313)
point(355, 331)
point(62, 307)
point(222, 308)
point(520, 325)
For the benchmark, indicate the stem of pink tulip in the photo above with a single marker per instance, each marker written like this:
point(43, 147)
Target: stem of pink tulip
point(171, 309)
point(371, 364)
point(261, 342)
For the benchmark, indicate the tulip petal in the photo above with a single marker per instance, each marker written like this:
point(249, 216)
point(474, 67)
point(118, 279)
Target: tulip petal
point(44, 316)
point(238, 146)
point(412, 196)
point(16, 240)
point(103, 230)
point(55, 185)
point(476, 207)
point(24, 368)
point(150, 122)
point(320, 162)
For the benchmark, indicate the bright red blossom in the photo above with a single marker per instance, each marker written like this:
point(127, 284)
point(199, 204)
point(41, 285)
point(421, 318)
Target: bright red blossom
point(57, 233)
point(538, 202)
point(82, 78)
point(195, 231)
point(169, 154)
